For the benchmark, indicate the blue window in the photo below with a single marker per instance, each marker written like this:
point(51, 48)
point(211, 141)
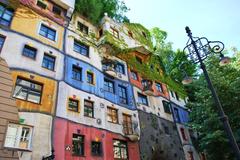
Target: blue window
point(134, 75)
point(81, 48)
point(122, 94)
point(90, 77)
point(142, 99)
point(29, 52)
point(47, 32)
point(166, 107)
point(159, 87)
point(176, 113)
point(120, 68)
point(76, 73)
point(5, 16)
point(48, 62)
point(2, 39)
point(108, 86)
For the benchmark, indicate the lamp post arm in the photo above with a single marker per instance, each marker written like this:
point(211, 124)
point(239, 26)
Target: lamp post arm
point(221, 113)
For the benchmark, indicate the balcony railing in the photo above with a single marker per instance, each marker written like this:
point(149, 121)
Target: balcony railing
point(109, 67)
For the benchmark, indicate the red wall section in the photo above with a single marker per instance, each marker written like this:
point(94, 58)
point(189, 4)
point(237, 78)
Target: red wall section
point(137, 83)
point(63, 130)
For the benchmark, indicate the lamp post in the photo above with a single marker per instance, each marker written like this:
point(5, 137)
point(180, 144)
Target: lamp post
point(198, 50)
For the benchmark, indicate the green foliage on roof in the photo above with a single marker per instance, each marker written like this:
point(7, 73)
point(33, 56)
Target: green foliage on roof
point(141, 34)
point(94, 10)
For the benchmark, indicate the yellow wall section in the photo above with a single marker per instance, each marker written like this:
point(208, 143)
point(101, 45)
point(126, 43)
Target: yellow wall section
point(28, 22)
point(48, 97)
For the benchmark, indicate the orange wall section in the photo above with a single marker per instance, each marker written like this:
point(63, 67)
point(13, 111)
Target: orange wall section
point(47, 104)
point(28, 22)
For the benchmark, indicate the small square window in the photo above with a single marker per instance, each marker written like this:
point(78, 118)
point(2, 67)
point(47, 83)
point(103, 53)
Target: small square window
point(18, 136)
point(56, 10)
point(96, 148)
point(120, 68)
point(48, 62)
point(159, 87)
point(88, 108)
point(108, 86)
point(183, 134)
point(76, 73)
point(166, 107)
point(112, 115)
point(134, 75)
point(6, 15)
point(41, 4)
point(73, 105)
point(47, 32)
point(90, 77)
point(120, 150)
point(83, 28)
point(77, 145)
point(29, 52)
point(81, 48)
point(142, 99)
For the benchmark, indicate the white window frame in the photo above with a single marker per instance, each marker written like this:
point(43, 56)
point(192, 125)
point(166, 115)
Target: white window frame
point(17, 137)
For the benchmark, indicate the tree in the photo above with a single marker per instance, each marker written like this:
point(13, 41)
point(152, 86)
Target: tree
point(94, 9)
point(204, 115)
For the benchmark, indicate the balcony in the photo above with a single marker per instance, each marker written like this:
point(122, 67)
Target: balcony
point(148, 87)
point(109, 67)
point(131, 131)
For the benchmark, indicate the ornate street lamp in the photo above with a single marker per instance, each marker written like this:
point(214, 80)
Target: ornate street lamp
point(198, 49)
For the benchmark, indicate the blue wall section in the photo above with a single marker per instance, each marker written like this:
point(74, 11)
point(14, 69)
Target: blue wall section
point(98, 88)
point(183, 114)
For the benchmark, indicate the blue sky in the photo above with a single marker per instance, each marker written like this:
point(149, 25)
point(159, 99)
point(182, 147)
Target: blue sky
point(214, 19)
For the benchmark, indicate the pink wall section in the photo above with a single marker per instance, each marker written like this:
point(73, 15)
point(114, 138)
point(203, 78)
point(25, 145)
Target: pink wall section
point(64, 129)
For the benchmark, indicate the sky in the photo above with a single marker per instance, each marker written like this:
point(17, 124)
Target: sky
point(214, 19)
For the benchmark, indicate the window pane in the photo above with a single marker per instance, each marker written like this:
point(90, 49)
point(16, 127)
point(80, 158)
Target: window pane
point(20, 92)
point(24, 140)
point(34, 97)
point(11, 135)
point(78, 145)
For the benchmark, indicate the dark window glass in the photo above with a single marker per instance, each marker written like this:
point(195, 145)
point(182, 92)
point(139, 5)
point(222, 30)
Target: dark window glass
point(88, 109)
point(41, 4)
point(78, 145)
point(29, 52)
point(122, 94)
point(166, 129)
point(172, 94)
point(73, 105)
point(159, 87)
point(142, 99)
point(177, 97)
point(47, 32)
point(130, 34)
point(28, 90)
point(183, 134)
point(48, 62)
point(177, 118)
point(100, 33)
point(96, 148)
point(2, 39)
point(134, 75)
point(56, 10)
point(127, 124)
point(81, 48)
point(112, 115)
point(108, 86)
point(166, 107)
point(5, 15)
point(120, 150)
point(90, 77)
point(139, 59)
point(83, 28)
point(120, 68)
point(76, 73)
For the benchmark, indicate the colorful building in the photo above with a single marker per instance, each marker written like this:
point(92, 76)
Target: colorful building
point(85, 92)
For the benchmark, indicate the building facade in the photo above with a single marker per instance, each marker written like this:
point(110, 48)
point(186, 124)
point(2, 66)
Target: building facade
point(82, 91)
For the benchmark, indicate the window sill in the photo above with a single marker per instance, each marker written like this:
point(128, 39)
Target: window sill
point(29, 57)
point(26, 101)
point(114, 123)
point(18, 149)
point(89, 117)
point(48, 69)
